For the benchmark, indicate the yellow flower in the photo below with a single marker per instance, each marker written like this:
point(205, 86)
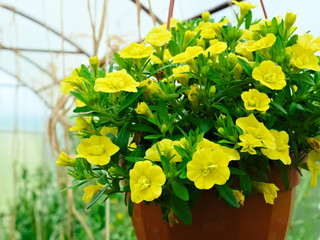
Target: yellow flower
point(262, 43)
point(152, 87)
point(81, 124)
point(306, 42)
point(239, 196)
point(269, 75)
point(91, 191)
point(143, 109)
point(78, 103)
point(248, 143)
point(146, 181)
point(136, 51)
point(281, 152)
point(241, 48)
point(269, 190)
point(193, 95)
point(166, 147)
point(188, 55)
point(188, 35)
point(94, 62)
point(314, 143)
point(166, 57)
point(180, 73)
point(255, 100)
point(97, 149)
point(290, 20)
point(208, 168)
point(314, 166)
point(119, 216)
point(116, 82)
point(105, 130)
point(158, 36)
point(173, 23)
point(206, 16)
point(245, 7)
point(215, 48)
point(64, 160)
point(72, 82)
point(250, 125)
point(231, 153)
point(201, 43)
point(303, 58)
point(247, 34)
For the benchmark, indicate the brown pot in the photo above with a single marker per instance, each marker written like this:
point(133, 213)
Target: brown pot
point(212, 219)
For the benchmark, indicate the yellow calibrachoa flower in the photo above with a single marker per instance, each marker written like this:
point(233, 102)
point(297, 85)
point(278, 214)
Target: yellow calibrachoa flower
point(290, 20)
point(152, 87)
point(188, 35)
point(116, 82)
point(206, 16)
point(188, 55)
point(314, 143)
point(105, 130)
point(201, 43)
point(208, 168)
point(78, 103)
point(281, 152)
point(255, 100)
point(146, 181)
point(249, 143)
point(94, 62)
point(91, 191)
point(210, 30)
point(143, 109)
point(216, 47)
point(306, 41)
point(269, 75)
point(72, 82)
point(136, 51)
point(166, 57)
point(262, 43)
point(158, 36)
point(64, 160)
point(239, 196)
point(193, 95)
point(250, 125)
point(206, 144)
point(97, 149)
point(314, 166)
point(173, 23)
point(180, 73)
point(247, 34)
point(245, 7)
point(269, 190)
point(81, 124)
point(241, 48)
point(166, 147)
point(303, 58)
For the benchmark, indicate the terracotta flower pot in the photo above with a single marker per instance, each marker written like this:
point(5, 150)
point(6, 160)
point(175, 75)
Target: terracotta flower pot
point(212, 219)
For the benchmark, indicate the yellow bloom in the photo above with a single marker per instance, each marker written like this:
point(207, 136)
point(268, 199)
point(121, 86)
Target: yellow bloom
point(143, 109)
point(166, 147)
point(146, 181)
point(188, 35)
point(290, 20)
point(64, 160)
point(314, 166)
point(206, 16)
point(158, 36)
point(105, 130)
point(245, 7)
point(241, 48)
point(152, 88)
point(201, 43)
point(97, 149)
point(269, 75)
point(208, 168)
point(314, 143)
point(239, 196)
point(180, 73)
point(262, 43)
point(188, 55)
point(91, 191)
point(303, 58)
point(166, 57)
point(193, 95)
point(116, 82)
point(71, 82)
point(248, 143)
point(247, 34)
point(269, 190)
point(81, 124)
point(231, 153)
point(215, 48)
point(78, 103)
point(208, 29)
point(281, 152)
point(173, 23)
point(94, 62)
point(250, 125)
point(119, 216)
point(255, 100)
point(136, 51)
point(306, 42)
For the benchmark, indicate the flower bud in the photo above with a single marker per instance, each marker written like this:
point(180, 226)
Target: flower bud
point(204, 70)
point(289, 20)
point(205, 16)
point(212, 90)
point(64, 160)
point(188, 35)
point(221, 130)
point(295, 88)
point(94, 62)
point(164, 128)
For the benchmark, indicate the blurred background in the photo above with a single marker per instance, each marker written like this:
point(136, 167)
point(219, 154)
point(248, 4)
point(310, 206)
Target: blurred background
point(41, 42)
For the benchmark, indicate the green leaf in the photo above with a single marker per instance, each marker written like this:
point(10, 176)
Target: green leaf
point(227, 195)
point(134, 159)
point(82, 109)
point(246, 66)
point(274, 26)
point(123, 138)
point(284, 175)
point(153, 136)
point(76, 184)
point(181, 210)
point(97, 196)
point(279, 107)
point(182, 152)
point(79, 96)
point(130, 207)
point(193, 40)
point(130, 99)
point(162, 111)
point(180, 190)
point(245, 184)
point(236, 171)
point(173, 47)
point(292, 40)
point(248, 19)
point(143, 128)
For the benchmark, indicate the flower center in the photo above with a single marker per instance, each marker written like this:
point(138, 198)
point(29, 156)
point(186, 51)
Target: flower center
point(209, 169)
point(252, 103)
point(96, 150)
point(269, 77)
point(117, 84)
point(143, 183)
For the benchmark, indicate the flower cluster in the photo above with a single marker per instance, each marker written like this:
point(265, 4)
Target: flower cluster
point(201, 105)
